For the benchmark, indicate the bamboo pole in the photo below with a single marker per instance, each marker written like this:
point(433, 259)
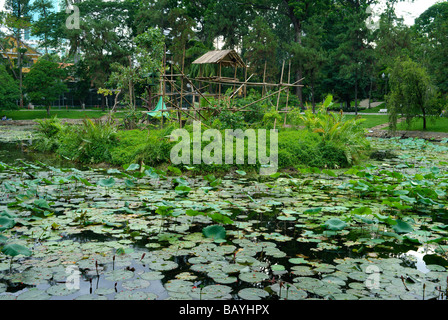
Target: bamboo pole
point(189, 115)
point(223, 81)
point(281, 83)
point(278, 97)
point(192, 84)
point(264, 89)
point(192, 105)
point(270, 95)
point(243, 85)
point(219, 96)
point(287, 93)
point(182, 89)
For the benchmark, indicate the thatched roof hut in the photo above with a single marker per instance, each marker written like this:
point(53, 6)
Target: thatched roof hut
point(226, 58)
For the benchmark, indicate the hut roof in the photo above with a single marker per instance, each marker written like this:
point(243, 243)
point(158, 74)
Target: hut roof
point(225, 57)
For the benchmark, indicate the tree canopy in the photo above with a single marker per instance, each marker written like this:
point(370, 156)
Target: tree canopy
point(331, 44)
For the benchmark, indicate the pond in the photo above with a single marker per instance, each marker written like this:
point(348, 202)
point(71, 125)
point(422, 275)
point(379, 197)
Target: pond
point(376, 231)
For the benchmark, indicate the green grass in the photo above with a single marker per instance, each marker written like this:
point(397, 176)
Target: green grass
point(371, 120)
point(433, 124)
point(42, 114)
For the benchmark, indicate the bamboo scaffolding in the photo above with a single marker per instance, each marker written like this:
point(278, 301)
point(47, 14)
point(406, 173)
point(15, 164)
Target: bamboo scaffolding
point(231, 83)
point(270, 95)
point(243, 85)
point(192, 105)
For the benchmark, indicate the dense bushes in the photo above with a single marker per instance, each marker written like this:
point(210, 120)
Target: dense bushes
point(328, 140)
point(304, 148)
point(90, 142)
point(93, 143)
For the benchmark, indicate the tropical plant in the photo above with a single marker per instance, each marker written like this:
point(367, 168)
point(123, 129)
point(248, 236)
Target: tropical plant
point(335, 129)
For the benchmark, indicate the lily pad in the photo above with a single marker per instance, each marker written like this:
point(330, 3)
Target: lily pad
point(214, 232)
point(402, 227)
point(253, 294)
point(61, 290)
point(34, 294)
point(335, 224)
point(14, 249)
point(287, 291)
point(135, 295)
point(135, 284)
point(253, 276)
point(119, 275)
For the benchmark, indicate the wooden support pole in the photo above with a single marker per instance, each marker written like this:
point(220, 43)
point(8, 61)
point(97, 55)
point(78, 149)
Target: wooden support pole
point(278, 97)
point(243, 85)
point(192, 105)
point(281, 83)
point(193, 86)
point(182, 89)
point(287, 93)
point(219, 96)
point(270, 95)
point(264, 89)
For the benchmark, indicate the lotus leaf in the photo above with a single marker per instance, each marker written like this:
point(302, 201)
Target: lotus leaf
point(253, 294)
point(14, 249)
point(335, 224)
point(214, 232)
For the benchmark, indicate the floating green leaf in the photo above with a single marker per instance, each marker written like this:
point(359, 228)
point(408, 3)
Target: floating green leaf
point(402, 227)
point(214, 232)
point(335, 224)
point(14, 249)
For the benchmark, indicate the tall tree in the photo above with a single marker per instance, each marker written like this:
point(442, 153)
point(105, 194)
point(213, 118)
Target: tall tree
point(432, 42)
point(17, 20)
point(104, 37)
point(45, 82)
point(353, 52)
point(49, 26)
point(9, 90)
point(261, 49)
point(412, 92)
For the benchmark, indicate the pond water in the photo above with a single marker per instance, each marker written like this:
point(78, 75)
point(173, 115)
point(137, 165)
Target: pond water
point(377, 231)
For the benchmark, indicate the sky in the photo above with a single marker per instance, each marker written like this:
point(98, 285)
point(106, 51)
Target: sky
point(411, 10)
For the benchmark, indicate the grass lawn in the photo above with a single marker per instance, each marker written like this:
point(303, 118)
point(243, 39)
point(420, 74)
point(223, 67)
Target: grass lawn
point(371, 120)
point(433, 124)
point(61, 114)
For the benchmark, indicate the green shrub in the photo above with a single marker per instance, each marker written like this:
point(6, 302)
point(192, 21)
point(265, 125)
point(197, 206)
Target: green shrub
point(47, 137)
point(130, 144)
point(338, 132)
point(305, 148)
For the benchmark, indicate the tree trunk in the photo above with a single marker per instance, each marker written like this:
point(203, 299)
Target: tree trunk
point(19, 65)
point(424, 118)
point(48, 110)
point(356, 93)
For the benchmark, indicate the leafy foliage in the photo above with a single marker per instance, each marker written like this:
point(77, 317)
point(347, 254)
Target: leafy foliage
point(9, 90)
point(412, 92)
point(338, 131)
